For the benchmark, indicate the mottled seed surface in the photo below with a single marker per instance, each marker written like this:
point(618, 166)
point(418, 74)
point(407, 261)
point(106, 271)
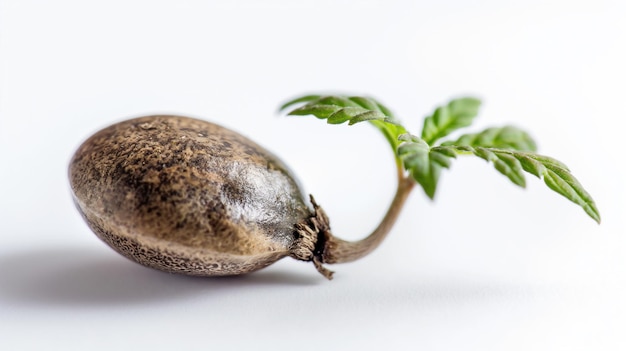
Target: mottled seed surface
point(187, 196)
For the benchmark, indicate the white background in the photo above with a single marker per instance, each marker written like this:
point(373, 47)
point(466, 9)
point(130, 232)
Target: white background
point(486, 266)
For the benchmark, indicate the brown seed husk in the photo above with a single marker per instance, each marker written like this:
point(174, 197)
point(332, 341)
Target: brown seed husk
point(187, 196)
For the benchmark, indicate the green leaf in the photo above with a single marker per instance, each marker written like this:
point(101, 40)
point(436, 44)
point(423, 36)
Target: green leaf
point(423, 163)
point(337, 109)
point(564, 183)
point(299, 100)
point(391, 132)
point(555, 174)
point(506, 164)
point(507, 137)
point(446, 119)
point(340, 109)
point(511, 150)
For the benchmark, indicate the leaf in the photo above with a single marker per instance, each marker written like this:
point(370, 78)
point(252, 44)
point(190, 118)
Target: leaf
point(507, 137)
point(352, 109)
point(506, 164)
point(423, 163)
point(391, 132)
point(339, 109)
point(446, 119)
point(511, 150)
point(304, 98)
point(555, 174)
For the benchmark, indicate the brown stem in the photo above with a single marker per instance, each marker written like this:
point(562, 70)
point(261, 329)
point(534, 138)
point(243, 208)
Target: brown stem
point(340, 251)
point(316, 243)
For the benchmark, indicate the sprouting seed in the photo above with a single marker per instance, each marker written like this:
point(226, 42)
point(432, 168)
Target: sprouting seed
point(187, 196)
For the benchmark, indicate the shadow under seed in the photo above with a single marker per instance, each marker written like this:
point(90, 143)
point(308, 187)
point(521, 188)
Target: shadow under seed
point(64, 277)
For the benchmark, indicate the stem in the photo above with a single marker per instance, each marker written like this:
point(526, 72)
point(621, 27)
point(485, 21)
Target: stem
point(317, 244)
point(340, 251)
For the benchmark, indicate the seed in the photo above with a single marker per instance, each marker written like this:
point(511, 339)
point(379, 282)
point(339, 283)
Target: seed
point(161, 193)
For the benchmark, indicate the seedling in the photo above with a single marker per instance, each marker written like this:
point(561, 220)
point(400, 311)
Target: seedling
point(187, 196)
point(420, 159)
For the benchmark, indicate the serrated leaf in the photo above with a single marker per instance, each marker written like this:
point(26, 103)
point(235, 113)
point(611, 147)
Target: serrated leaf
point(366, 116)
point(354, 115)
point(506, 164)
point(548, 161)
point(564, 183)
point(510, 149)
point(507, 137)
point(446, 119)
point(423, 164)
point(340, 109)
point(299, 100)
point(337, 109)
point(554, 173)
point(319, 111)
point(531, 165)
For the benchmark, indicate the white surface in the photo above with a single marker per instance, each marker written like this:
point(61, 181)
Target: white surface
point(487, 266)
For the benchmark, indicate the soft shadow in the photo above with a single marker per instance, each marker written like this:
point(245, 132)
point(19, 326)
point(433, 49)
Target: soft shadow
point(464, 290)
point(78, 277)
